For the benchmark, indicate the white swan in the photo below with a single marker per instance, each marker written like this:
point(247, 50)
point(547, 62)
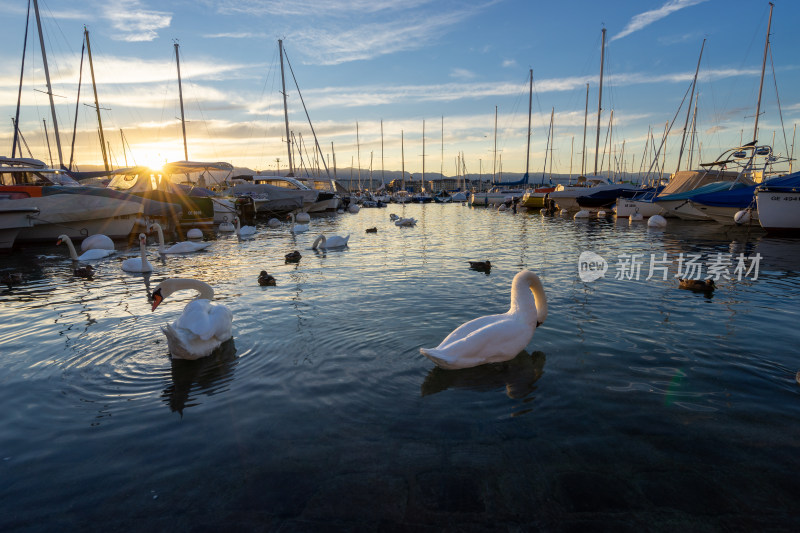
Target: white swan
point(183, 247)
point(495, 338)
point(98, 240)
point(243, 231)
point(89, 255)
point(326, 243)
point(298, 228)
point(139, 264)
point(202, 326)
point(405, 222)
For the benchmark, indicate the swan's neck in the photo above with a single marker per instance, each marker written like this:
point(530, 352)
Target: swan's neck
point(527, 294)
point(319, 241)
point(143, 251)
point(72, 253)
point(157, 226)
point(168, 286)
point(238, 224)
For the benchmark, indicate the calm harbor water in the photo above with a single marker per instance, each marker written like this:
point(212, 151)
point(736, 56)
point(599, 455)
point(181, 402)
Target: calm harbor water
point(638, 406)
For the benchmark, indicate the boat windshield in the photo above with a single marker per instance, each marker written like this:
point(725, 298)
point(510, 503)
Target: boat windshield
point(35, 177)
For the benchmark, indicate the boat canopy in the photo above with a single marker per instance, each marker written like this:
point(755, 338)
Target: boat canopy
point(186, 167)
point(705, 189)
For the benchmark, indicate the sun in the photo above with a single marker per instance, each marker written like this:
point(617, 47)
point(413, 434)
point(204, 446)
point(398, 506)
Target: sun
point(154, 161)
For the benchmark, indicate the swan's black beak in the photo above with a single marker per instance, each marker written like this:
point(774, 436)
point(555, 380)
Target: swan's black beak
point(537, 324)
point(157, 299)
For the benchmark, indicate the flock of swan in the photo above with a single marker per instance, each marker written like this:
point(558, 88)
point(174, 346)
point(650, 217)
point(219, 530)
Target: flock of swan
point(203, 326)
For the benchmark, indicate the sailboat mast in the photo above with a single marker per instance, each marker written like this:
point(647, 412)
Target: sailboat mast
point(285, 110)
point(441, 170)
point(585, 117)
point(689, 107)
point(358, 148)
point(600, 101)
point(494, 159)
point(530, 106)
point(760, 86)
point(402, 161)
point(383, 176)
point(97, 103)
point(180, 95)
point(19, 92)
point(422, 187)
point(334, 160)
point(49, 87)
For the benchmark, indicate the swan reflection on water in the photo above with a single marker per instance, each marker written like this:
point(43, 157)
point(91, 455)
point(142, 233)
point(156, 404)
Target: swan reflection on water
point(207, 375)
point(518, 376)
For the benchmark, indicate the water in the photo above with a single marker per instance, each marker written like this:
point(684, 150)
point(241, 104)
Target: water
point(637, 405)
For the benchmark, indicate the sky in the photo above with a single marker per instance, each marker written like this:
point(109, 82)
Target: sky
point(375, 75)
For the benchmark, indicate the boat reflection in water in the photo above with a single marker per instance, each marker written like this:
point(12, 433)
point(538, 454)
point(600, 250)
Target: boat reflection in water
point(207, 375)
point(518, 376)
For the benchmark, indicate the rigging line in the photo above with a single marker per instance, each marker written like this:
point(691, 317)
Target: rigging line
point(21, 74)
point(77, 102)
point(777, 97)
point(327, 172)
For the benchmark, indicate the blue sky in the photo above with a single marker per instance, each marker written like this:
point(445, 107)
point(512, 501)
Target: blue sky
point(403, 63)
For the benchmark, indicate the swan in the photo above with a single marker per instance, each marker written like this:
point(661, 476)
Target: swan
point(98, 240)
point(405, 222)
point(89, 255)
point(657, 221)
point(297, 228)
point(139, 264)
point(243, 231)
point(184, 247)
point(495, 338)
point(227, 227)
point(266, 280)
point(326, 243)
point(202, 326)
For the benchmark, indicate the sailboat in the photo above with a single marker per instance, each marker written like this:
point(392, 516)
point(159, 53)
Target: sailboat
point(535, 198)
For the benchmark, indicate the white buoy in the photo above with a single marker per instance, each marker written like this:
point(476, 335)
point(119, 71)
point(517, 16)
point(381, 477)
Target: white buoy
point(273, 223)
point(583, 213)
point(503, 207)
point(657, 221)
point(563, 212)
point(194, 233)
point(353, 208)
point(601, 214)
point(636, 217)
point(302, 217)
point(742, 217)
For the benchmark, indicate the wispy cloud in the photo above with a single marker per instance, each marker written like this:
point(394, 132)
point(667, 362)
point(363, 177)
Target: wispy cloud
point(316, 7)
point(642, 20)
point(462, 74)
point(133, 21)
point(509, 63)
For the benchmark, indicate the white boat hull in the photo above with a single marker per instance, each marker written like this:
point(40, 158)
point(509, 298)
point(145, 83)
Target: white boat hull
point(779, 211)
point(723, 215)
point(626, 207)
point(12, 220)
point(681, 209)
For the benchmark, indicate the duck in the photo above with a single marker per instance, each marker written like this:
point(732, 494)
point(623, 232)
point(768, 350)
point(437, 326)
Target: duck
point(326, 243)
point(12, 278)
point(92, 254)
point(700, 285)
point(293, 257)
point(266, 280)
point(97, 241)
point(84, 272)
point(495, 338)
point(372, 230)
point(297, 228)
point(484, 266)
point(244, 231)
point(139, 264)
point(183, 247)
point(202, 327)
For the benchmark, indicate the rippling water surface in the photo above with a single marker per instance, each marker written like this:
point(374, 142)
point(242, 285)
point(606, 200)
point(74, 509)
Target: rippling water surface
point(637, 405)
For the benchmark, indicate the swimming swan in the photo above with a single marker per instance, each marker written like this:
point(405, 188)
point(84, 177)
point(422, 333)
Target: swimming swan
point(88, 255)
point(184, 247)
point(495, 338)
point(298, 228)
point(202, 326)
point(98, 240)
point(139, 264)
point(243, 231)
point(326, 243)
